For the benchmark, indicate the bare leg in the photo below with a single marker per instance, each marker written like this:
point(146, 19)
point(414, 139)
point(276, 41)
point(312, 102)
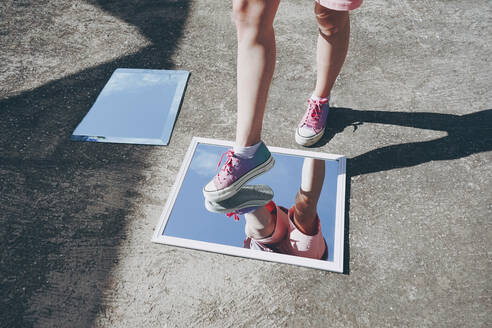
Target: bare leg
point(333, 40)
point(259, 223)
point(255, 65)
point(305, 214)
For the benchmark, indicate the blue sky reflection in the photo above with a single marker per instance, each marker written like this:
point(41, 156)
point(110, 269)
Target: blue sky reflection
point(190, 220)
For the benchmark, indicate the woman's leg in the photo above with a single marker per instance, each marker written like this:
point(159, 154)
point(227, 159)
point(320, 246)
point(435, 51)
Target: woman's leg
point(259, 223)
point(305, 209)
point(333, 40)
point(255, 65)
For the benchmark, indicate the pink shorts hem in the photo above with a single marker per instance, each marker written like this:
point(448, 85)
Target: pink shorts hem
point(340, 5)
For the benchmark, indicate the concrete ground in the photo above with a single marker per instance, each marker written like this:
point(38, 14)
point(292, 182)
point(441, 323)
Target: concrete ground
point(412, 114)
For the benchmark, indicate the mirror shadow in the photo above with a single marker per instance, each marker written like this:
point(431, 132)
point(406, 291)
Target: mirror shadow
point(274, 226)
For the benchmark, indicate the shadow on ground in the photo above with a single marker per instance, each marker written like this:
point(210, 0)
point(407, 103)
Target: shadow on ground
point(64, 204)
point(466, 135)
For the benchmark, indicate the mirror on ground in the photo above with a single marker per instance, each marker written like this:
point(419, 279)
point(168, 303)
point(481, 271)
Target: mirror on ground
point(135, 106)
point(189, 219)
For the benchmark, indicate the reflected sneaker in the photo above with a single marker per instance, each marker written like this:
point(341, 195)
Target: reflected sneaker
point(246, 200)
point(312, 125)
point(236, 172)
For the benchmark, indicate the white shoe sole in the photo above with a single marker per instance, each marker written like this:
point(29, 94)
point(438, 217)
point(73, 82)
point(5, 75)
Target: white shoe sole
point(247, 196)
point(228, 192)
point(308, 141)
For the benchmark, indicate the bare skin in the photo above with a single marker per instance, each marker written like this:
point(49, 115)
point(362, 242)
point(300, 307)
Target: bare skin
point(261, 223)
point(257, 53)
point(255, 65)
point(332, 47)
point(305, 215)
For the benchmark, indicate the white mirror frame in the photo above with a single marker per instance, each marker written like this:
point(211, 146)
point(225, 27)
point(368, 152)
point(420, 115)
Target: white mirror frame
point(336, 265)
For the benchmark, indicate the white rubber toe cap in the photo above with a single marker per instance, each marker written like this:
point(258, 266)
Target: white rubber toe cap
point(306, 132)
point(210, 187)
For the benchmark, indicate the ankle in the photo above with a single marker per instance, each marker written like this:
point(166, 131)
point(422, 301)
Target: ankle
point(246, 151)
point(318, 95)
point(246, 142)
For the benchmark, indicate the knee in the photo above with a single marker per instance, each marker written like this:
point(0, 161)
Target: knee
point(259, 223)
point(254, 14)
point(254, 232)
point(330, 22)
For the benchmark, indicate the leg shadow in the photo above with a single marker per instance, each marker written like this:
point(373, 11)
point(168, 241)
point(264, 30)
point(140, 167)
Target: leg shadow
point(466, 135)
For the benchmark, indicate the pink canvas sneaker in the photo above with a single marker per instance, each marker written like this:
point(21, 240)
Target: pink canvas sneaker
point(236, 172)
point(312, 125)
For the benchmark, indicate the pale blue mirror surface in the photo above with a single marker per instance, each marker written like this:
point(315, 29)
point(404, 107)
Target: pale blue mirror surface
point(190, 220)
point(136, 106)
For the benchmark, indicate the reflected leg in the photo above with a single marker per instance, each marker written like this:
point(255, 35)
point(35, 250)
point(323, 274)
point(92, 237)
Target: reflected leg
point(259, 223)
point(267, 229)
point(305, 213)
point(306, 239)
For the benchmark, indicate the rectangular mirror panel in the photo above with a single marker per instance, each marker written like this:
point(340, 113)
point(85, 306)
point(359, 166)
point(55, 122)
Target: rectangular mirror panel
point(135, 106)
point(185, 217)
